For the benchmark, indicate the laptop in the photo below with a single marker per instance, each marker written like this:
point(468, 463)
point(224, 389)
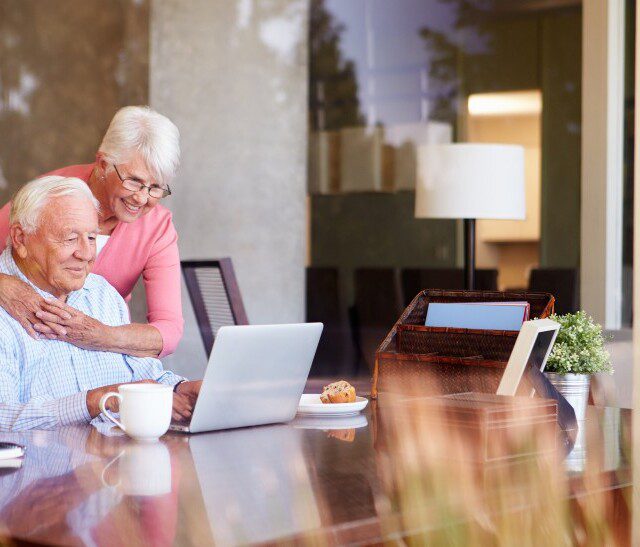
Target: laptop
point(255, 375)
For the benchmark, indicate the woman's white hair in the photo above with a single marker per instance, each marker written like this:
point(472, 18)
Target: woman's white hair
point(141, 130)
point(29, 201)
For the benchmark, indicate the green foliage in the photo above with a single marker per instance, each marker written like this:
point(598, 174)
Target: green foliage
point(579, 347)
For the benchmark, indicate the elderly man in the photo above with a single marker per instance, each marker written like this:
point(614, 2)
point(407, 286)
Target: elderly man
point(52, 246)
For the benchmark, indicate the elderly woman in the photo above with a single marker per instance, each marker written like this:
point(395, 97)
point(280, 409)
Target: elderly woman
point(136, 161)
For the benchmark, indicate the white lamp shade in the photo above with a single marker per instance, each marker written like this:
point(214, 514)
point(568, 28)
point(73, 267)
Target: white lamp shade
point(470, 181)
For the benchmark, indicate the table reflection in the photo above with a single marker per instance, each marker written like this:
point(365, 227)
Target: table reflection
point(63, 490)
point(255, 484)
point(144, 470)
point(336, 481)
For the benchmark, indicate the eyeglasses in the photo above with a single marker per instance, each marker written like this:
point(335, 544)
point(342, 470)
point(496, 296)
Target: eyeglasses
point(134, 185)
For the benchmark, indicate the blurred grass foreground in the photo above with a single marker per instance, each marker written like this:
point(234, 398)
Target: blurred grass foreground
point(452, 478)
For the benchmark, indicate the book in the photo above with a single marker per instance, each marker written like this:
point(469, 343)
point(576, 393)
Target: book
point(478, 315)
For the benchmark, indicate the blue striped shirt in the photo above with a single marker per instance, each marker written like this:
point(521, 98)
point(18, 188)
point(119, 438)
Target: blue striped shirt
point(44, 383)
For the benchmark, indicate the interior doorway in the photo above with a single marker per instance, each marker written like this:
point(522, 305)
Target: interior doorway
point(514, 117)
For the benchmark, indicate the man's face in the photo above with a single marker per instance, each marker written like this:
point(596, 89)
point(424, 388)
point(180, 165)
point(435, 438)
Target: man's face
point(59, 255)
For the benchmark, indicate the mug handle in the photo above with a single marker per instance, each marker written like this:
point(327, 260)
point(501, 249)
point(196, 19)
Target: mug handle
point(107, 414)
point(105, 482)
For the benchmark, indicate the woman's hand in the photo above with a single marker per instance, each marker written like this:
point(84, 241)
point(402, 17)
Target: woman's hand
point(57, 321)
point(21, 302)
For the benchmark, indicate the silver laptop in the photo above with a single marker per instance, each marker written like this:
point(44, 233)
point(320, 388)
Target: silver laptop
point(256, 375)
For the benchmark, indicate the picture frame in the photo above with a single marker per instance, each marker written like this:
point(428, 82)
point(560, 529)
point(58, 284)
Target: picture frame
point(532, 348)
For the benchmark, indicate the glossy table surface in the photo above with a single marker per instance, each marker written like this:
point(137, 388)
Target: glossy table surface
point(326, 481)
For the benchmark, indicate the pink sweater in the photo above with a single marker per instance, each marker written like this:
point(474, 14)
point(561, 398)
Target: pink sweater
point(146, 247)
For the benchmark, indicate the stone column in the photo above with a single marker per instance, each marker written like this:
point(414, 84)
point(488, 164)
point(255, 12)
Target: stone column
point(232, 75)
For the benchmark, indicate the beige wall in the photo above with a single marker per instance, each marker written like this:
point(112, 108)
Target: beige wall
point(511, 246)
point(64, 71)
point(602, 161)
point(233, 76)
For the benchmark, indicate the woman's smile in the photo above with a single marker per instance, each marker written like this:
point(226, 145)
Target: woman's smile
point(135, 209)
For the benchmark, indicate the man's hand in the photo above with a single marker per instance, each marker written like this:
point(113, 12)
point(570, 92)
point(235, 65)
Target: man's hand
point(191, 389)
point(21, 302)
point(182, 408)
point(184, 400)
point(94, 396)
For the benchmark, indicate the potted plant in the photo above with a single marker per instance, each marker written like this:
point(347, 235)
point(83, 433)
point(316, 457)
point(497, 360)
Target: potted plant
point(578, 352)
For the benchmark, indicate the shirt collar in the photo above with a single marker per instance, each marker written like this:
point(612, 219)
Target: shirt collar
point(9, 266)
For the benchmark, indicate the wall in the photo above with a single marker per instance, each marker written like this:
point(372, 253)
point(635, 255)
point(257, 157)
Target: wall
point(602, 161)
point(376, 230)
point(511, 246)
point(233, 76)
point(561, 81)
point(64, 71)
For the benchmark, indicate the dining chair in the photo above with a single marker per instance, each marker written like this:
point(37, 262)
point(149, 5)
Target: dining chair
point(325, 303)
point(563, 283)
point(416, 279)
point(215, 296)
point(377, 306)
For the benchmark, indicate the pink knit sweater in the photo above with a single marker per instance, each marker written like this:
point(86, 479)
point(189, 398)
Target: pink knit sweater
point(147, 247)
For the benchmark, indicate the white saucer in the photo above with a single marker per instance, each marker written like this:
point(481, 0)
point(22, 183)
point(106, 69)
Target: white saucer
point(329, 422)
point(311, 405)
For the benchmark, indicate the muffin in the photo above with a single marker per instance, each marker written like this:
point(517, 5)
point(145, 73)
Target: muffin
point(338, 392)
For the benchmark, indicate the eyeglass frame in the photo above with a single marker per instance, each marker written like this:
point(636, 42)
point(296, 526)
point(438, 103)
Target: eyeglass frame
point(165, 191)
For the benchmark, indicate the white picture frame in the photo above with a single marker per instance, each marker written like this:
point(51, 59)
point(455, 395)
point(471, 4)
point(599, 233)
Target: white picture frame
point(530, 337)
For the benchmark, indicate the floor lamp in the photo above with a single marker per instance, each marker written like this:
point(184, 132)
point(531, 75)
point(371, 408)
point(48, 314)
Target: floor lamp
point(470, 181)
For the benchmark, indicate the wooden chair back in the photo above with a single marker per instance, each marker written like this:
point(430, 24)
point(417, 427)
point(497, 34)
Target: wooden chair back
point(215, 296)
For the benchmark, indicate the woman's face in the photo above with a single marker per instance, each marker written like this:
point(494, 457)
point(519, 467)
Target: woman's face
point(127, 206)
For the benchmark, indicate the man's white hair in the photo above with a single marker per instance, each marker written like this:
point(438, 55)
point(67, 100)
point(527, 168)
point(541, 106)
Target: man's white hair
point(141, 130)
point(29, 201)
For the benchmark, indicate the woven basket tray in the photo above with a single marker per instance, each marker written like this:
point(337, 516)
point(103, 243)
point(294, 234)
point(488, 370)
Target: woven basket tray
point(476, 358)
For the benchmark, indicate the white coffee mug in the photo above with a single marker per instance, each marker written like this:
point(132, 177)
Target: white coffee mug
point(144, 470)
point(145, 410)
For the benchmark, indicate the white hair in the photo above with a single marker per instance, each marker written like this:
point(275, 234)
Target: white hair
point(27, 204)
point(141, 130)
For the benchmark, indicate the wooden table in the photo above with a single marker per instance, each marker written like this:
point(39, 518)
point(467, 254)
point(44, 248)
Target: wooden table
point(311, 480)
